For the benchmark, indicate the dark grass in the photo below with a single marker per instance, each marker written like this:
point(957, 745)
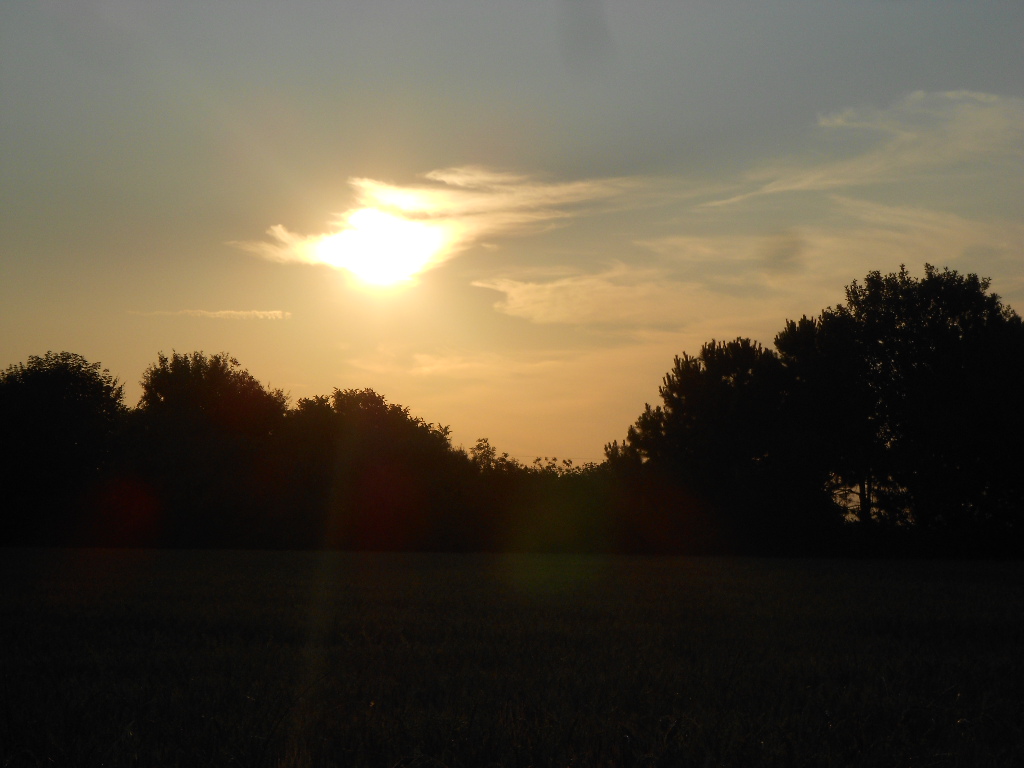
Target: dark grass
point(124, 658)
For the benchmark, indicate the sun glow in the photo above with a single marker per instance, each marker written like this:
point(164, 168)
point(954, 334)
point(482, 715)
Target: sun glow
point(383, 249)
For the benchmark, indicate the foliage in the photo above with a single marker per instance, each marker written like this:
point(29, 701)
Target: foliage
point(200, 444)
point(830, 410)
point(486, 459)
point(922, 377)
point(718, 443)
point(210, 390)
point(904, 399)
point(718, 411)
point(58, 415)
point(898, 410)
point(398, 484)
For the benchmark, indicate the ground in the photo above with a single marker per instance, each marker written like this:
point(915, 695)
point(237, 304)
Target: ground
point(123, 657)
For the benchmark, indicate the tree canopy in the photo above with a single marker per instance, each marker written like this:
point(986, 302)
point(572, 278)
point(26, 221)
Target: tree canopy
point(889, 423)
point(930, 412)
point(900, 407)
point(212, 390)
point(58, 417)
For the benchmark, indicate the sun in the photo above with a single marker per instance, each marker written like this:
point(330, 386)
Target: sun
point(381, 248)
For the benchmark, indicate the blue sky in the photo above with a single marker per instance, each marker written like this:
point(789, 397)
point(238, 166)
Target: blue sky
point(586, 188)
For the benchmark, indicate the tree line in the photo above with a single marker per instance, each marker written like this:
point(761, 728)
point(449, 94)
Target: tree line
point(210, 457)
point(889, 424)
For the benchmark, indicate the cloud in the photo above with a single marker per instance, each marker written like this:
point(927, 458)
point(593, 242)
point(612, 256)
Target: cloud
point(912, 235)
point(694, 276)
point(931, 177)
point(781, 253)
point(749, 283)
point(471, 365)
point(721, 259)
point(455, 209)
point(617, 296)
point(223, 314)
point(851, 237)
point(628, 300)
point(950, 161)
point(919, 135)
point(467, 365)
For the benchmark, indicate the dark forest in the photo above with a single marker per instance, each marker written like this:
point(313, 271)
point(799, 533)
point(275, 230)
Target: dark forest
point(891, 424)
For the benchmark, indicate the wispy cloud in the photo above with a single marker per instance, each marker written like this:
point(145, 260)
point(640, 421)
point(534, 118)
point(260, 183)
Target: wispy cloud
point(619, 295)
point(642, 303)
point(471, 365)
point(222, 314)
point(453, 210)
point(918, 135)
point(851, 231)
point(952, 161)
point(852, 237)
point(465, 364)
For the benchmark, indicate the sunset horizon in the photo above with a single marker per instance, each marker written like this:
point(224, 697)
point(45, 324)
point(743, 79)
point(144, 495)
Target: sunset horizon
point(509, 219)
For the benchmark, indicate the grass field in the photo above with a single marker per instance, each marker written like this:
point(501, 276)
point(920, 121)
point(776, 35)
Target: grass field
point(125, 658)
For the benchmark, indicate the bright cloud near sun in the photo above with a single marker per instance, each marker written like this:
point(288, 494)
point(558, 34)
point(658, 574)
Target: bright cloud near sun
point(397, 232)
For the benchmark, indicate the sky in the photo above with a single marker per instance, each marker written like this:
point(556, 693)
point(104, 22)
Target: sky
point(507, 216)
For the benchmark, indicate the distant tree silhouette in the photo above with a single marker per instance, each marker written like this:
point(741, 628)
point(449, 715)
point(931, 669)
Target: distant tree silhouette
point(59, 414)
point(548, 505)
point(485, 458)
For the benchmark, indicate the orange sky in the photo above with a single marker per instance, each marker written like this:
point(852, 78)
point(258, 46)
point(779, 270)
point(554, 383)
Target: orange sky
point(565, 194)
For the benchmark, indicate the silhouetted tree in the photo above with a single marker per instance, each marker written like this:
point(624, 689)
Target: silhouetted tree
point(718, 444)
point(211, 391)
point(924, 376)
point(59, 414)
point(397, 482)
point(899, 409)
point(486, 459)
point(901, 406)
point(830, 414)
point(717, 409)
point(202, 440)
point(306, 448)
